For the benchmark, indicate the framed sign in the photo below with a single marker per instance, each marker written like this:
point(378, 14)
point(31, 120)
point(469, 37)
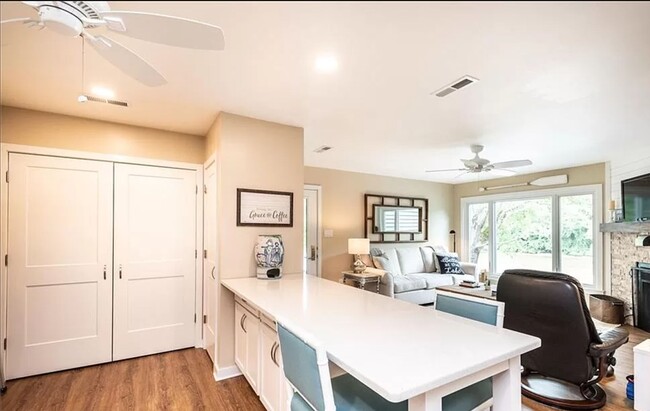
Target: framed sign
point(264, 208)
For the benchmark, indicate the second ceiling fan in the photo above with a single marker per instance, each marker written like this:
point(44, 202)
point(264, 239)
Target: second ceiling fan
point(480, 165)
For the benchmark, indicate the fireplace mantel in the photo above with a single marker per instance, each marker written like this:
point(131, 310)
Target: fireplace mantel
point(632, 227)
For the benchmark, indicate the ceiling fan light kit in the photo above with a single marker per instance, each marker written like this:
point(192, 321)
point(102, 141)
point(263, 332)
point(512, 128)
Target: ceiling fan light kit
point(76, 18)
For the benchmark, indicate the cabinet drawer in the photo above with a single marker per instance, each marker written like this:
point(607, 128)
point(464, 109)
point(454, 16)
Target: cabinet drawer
point(250, 308)
point(268, 321)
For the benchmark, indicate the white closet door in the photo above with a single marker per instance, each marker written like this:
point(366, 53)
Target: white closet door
point(210, 263)
point(155, 227)
point(59, 272)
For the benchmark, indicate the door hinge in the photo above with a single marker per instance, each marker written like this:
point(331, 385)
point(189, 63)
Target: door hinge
point(7, 176)
point(194, 318)
point(205, 189)
point(196, 254)
point(6, 260)
point(205, 253)
point(4, 344)
point(197, 190)
point(205, 319)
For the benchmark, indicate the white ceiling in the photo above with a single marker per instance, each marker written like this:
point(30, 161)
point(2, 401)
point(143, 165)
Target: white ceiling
point(562, 84)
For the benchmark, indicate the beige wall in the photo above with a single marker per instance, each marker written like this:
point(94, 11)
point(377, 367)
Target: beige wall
point(259, 155)
point(578, 176)
point(37, 128)
point(343, 204)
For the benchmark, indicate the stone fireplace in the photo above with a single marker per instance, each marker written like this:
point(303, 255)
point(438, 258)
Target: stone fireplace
point(625, 254)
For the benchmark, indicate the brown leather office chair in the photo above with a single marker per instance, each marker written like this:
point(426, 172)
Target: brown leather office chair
point(564, 372)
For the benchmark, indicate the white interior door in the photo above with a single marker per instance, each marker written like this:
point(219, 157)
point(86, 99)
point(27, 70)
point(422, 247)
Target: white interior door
point(311, 232)
point(155, 251)
point(59, 271)
point(209, 263)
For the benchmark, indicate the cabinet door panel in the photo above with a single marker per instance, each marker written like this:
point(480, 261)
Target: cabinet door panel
point(59, 274)
point(252, 325)
point(240, 338)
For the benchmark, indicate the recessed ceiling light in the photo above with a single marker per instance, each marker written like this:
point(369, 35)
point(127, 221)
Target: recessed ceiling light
point(326, 64)
point(102, 92)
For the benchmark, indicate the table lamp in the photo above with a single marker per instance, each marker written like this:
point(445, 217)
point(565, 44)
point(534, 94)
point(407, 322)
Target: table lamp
point(358, 246)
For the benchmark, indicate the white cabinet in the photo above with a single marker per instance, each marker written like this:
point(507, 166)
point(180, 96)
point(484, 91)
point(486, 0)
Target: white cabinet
point(258, 356)
point(247, 344)
point(273, 390)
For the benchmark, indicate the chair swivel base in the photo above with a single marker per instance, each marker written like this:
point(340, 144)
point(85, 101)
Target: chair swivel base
point(561, 394)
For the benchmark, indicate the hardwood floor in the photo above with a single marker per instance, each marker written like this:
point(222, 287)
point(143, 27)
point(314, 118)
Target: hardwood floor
point(182, 380)
point(179, 380)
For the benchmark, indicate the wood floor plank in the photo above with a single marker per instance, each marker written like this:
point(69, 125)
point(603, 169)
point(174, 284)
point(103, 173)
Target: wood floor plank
point(183, 380)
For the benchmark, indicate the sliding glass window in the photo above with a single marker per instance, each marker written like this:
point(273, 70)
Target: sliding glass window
point(548, 230)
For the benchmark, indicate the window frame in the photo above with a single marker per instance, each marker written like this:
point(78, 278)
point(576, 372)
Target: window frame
point(596, 190)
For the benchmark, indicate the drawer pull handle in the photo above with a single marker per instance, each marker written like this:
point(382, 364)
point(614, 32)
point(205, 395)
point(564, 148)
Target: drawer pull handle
point(274, 353)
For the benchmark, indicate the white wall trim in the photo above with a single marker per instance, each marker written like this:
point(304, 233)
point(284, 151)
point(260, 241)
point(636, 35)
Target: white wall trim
point(226, 372)
point(6, 149)
point(595, 189)
point(212, 159)
point(319, 218)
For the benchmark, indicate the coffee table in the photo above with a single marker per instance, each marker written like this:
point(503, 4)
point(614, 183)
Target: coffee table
point(480, 292)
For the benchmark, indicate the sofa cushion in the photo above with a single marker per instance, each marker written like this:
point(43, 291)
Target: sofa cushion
point(410, 260)
point(387, 261)
point(406, 283)
point(434, 280)
point(429, 259)
point(449, 264)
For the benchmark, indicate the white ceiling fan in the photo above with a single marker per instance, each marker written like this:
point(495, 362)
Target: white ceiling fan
point(480, 165)
point(77, 18)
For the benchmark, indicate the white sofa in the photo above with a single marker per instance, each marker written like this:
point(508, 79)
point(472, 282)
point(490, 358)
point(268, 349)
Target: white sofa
point(413, 273)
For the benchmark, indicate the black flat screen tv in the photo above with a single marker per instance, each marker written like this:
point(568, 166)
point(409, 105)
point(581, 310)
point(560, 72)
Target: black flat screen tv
point(636, 198)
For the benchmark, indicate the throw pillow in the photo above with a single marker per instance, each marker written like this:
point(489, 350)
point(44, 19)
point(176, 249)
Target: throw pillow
point(449, 264)
point(384, 263)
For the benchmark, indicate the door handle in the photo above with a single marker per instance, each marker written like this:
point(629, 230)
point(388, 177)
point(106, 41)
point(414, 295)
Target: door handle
point(104, 271)
point(120, 271)
point(313, 253)
point(212, 273)
point(241, 322)
point(272, 353)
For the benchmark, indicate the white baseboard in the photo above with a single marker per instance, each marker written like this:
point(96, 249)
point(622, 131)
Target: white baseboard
point(226, 372)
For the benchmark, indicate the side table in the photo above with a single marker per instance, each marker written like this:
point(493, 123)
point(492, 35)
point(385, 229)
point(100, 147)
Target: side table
point(361, 279)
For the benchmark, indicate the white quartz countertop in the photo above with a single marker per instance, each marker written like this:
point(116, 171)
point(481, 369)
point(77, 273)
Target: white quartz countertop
point(398, 349)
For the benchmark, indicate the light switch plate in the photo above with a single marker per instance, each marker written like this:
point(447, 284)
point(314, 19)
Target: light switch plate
point(328, 233)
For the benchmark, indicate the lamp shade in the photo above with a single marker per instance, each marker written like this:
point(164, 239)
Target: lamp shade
point(358, 246)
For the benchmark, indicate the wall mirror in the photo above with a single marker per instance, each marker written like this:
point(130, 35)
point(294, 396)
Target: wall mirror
point(396, 219)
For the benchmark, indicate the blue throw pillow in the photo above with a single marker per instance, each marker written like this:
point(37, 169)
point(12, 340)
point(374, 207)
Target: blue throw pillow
point(449, 264)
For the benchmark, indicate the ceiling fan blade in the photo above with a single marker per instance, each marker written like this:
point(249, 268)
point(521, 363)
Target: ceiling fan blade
point(461, 174)
point(446, 170)
point(511, 164)
point(170, 30)
point(126, 60)
point(18, 20)
point(502, 172)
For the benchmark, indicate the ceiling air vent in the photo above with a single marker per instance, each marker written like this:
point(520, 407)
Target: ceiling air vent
point(322, 149)
point(456, 85)
point(103, 100)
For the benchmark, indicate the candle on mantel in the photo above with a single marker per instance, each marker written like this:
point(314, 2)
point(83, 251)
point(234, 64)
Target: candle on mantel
point(612, 205)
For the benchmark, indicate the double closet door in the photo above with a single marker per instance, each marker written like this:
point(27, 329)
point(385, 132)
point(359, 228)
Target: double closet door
point(101, 262)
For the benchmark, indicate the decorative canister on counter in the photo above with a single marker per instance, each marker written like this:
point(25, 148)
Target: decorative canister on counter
point(630, 387)
point(269, 255)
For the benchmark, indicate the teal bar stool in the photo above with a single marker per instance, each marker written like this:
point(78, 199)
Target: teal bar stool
point(477, 395)
point(305, 366)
